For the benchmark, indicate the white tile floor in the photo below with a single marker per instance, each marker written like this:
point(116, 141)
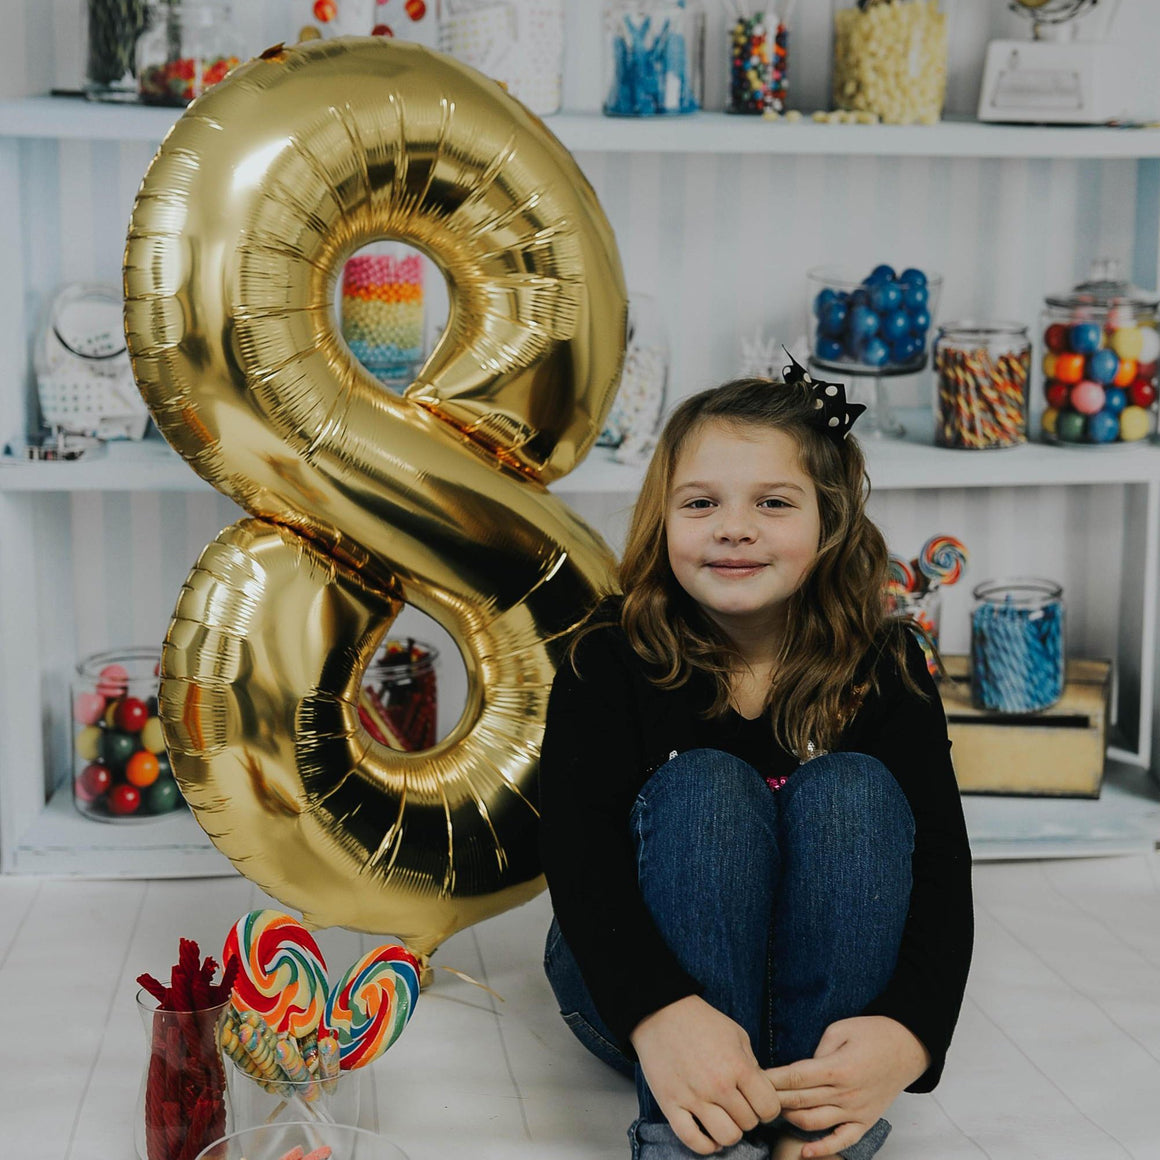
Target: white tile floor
point(1057, 1053)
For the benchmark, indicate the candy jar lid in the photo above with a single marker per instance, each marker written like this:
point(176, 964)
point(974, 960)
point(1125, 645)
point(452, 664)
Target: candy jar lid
point(1105, 287)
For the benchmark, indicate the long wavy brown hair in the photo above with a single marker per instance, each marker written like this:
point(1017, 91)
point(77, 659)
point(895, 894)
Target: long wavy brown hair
point(836, 623)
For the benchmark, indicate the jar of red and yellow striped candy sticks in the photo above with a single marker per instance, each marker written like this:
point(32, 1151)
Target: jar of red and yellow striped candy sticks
point(398, 702)
point(981, 375)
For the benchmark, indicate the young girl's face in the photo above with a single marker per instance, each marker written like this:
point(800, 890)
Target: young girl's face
point(742, 524)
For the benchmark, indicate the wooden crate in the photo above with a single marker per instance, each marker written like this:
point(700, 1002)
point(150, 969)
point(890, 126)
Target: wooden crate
point(1057, 753)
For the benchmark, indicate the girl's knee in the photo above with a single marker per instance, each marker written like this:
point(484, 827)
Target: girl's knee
point(850, 785)
point(706, 774)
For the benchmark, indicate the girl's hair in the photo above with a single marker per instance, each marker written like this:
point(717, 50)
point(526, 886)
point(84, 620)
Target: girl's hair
point(836, 619)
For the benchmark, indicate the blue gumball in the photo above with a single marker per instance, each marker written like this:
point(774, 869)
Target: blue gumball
point(1102, 365)
point(882, 273)
point(862, 323)
point(905, 350)
point(1115, 400)
point(912, 277)
point(1103, 426)
point(874, 352)
point(885, 297)
point(859, 297)
point(1084, 337)
point(919, 322)
point(895, 325)
point(825, 296)
point(833, 319)
point(914, 296)
point(828, 349)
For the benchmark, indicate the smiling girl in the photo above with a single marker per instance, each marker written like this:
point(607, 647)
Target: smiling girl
point(751, 829)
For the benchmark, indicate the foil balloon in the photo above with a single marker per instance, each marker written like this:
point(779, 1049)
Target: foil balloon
point(362, 500)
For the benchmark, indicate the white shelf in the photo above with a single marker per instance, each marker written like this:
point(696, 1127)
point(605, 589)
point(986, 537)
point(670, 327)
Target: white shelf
point(74, 117)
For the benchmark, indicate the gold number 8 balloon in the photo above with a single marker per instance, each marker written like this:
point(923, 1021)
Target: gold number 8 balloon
point(364, 500)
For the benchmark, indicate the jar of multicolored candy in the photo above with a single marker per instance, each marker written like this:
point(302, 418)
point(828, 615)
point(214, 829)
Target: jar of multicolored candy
point(1101, 348)
point(398, 701)
point(654, 57)
point(184, 50)
point(1017, 659)
point(757, 41)
point(120, 769)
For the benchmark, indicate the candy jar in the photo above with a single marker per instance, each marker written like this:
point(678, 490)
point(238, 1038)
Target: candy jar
point(185, 49)
point(654, 57)
point(981, 373)
point(1101, 347)
point(113, 27)
point(640, 399)
point(121, 771)
point(890, 59)
point(398, 702)
point(1017, 662)
point(757, 43)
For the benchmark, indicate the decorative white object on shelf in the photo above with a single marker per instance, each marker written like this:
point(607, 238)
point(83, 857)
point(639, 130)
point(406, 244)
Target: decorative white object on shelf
point(635, 416)
point(761, 357)
point(83, 374)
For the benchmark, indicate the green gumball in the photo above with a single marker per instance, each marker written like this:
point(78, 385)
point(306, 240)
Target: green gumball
point(117, 748)
point(1070, 427)
point(162, 796)
point(164, 769)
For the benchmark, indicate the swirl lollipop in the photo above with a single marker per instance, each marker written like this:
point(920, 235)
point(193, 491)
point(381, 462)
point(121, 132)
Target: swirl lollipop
point(900, 575)
point(942, 560)
point(281, 975)
point(371, 1003)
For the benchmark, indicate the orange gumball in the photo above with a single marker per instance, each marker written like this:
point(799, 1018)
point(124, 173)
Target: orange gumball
point(1125, 373)
point(1069, 367)
point(325, 11)
point(142, 769)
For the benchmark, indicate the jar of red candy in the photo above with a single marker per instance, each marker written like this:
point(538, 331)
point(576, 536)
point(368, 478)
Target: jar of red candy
point(185, 49)
point(757, 41)
point(120, 770)
point(397, 703)
point(1101, 347)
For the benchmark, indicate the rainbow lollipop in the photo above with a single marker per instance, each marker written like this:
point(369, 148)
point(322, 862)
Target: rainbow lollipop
point(942, 560)
point(370, 1005)
point(281, 971)
point(900, 575)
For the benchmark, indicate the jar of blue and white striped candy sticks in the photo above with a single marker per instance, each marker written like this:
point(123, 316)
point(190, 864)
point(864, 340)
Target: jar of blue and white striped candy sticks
point(654, 57)
point(1017, 662)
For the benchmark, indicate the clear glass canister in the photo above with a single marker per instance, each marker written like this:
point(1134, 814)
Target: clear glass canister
point(654, 53)
point(121, 771)
point(981, 374)
point(890, 59)
point(518, 42)
point(113, 27)
point(1101, 348)
point(640, 399)
point(1017, 658)
point(757, 41)
point(398, 703)
point(184, 50)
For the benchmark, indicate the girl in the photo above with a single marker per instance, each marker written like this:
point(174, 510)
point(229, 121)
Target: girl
point(751, 830)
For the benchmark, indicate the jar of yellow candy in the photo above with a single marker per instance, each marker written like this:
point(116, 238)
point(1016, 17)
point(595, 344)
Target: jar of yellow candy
point(890, 59)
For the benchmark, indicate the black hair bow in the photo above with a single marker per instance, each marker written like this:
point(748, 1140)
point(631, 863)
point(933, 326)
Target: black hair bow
point(833, 416)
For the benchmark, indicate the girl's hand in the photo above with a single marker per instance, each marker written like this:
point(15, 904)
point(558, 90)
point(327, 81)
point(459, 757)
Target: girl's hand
point(858, 1070)
point(703, 1074)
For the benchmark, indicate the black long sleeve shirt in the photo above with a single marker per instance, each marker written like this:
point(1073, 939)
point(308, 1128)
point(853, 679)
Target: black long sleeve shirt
point(610, 728)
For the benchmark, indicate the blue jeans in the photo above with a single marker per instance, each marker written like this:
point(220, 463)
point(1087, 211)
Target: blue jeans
point(787, 906)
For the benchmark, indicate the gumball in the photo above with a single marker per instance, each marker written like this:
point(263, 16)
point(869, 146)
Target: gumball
point(124, 799)
point(919, 322)
point(1103, 427)
point(94, 781)
point(1125, 372)
point(164, 769)
point(88, 743)
point(1128, 342)
point(1049, 420)
point(382, 30)
point(832, 320)
point(416, 9)
point(912, 277)
point(859, 297)
point(1149, 344)
point(152, 737)
point(1102, 365)
point(882, 273)
point(110, 717)
point(1115, 400)
point(1070, 426)
point(1069, 368)
point(116, 748)
point(1142, 393)
point(1087, 397)
point(131, 715)
point(1055, 336)
point(112, 681)
point(825, 296)
point(1084, 337)
point(905, 349)
point(885, 297)
point(1134, 424)
point(1057, 394)
point(895, 325)
point(325, 11)
point(863, 322)
point(827, 349)
point(88, 708)
point(142, 768)
point(1049, 361)
point(1146, 370)
point(915, 296)
point(162, 796)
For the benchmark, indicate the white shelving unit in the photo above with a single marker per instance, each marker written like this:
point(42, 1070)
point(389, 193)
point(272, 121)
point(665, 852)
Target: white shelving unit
point(50, 837)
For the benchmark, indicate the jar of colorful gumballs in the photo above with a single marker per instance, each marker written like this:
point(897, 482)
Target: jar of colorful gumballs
point(879, 324)
point(121, 772)
point(398, 702)
point(184, 50)
point(1099, 363)
point(757, 41)
point(913, 587)
point(1017, 659)
point(654, 57)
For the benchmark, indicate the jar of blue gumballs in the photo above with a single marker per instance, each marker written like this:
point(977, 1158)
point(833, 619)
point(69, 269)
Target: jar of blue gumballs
point(654, 57)
point(876, 325)
point(1017, 660)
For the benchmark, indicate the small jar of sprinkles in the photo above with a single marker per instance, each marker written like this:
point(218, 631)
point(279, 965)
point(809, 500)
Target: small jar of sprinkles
point(1017, 662)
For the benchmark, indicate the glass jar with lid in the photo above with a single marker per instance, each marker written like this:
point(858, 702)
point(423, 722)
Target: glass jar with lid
point(981, 377)
point(654, 53)
point(111, 31)
point(757, 46)
point(185, 49)
point(635, 416)
point(1100, 356)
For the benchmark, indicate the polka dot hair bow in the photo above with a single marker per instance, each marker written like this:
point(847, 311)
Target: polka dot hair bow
point(832, 414)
